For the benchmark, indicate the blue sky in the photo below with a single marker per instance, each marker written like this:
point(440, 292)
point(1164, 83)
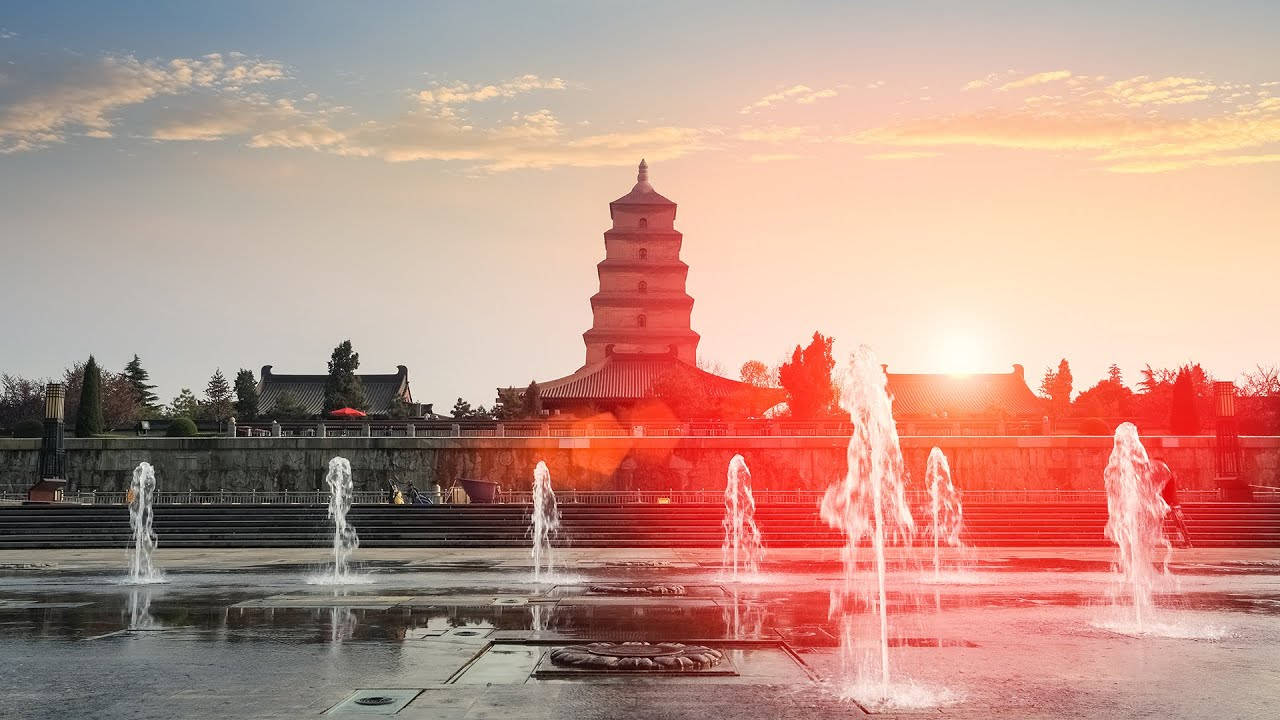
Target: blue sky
point(961, 186)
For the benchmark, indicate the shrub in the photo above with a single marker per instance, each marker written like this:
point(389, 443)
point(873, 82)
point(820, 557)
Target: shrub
point(181, 427)
point(28, 429)
point(1093, 426)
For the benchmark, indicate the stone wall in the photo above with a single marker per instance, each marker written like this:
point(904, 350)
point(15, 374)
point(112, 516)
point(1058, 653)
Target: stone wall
point(604, 463)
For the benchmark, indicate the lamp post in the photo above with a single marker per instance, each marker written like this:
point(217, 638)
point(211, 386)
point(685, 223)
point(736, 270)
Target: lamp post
point(53, 453)
point(1227, 443)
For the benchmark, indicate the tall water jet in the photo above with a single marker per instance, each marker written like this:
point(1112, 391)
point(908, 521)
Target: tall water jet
point(868, 504)
point(1135, 520)
point(544, 523)
point(945, 514)
point(140, 498)
point(742, 547)
point(345, 539)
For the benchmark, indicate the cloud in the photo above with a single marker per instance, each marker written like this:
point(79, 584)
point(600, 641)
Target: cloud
point(463, 93)
point(84, 97)
point(1142, 90)
point(7, 34)
point(1036, 79)
point(910, 155)
point(772, 157)
point(799, 94)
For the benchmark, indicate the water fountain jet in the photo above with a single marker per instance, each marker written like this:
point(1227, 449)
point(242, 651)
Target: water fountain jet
point(1135, 521)
point(945, 514)
point(141, 497)
point(742, 548)
point(544, 523)
point(345, 539)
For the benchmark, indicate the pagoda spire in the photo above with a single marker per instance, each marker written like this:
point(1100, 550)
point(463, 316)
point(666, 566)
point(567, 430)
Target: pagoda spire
point(643, 174)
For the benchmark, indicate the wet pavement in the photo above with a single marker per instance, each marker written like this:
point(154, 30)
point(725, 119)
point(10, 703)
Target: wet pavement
point(466, 634)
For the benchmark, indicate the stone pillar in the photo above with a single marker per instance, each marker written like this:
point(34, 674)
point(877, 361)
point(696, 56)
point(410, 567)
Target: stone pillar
point(231, 427)
point(366, 430)
point(1045, 427)
point(456, 430)
point(275, 428)
point(499, 430)
point(410, 430)
point(320, 430)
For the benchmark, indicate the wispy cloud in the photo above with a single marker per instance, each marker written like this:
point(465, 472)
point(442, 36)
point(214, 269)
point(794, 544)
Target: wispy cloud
point(464, 93)
point(7, 34)
point(799, 94)
point(86, 96)
point(1036, 79)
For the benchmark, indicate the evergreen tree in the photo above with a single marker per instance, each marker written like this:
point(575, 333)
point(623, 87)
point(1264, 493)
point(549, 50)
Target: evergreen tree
point(89, 411)
point(461, 410)
point(184, 404)
point(1184, 418)
point(217, 397)
point(246, 395)
point(287, 407)
point(148, 403)
point(1114, 375)
point(807, 379)
point(1061, 396)
point(509, 405)
point(343, 388)
point(533, 400)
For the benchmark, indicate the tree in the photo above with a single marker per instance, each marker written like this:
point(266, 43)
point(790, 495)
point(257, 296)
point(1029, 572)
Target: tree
point(20, 399)
point(509, 405)
point(807, 379)
point(217, 397)
point(184, 404)
point(89, 410)
point(1108, 398)
point(1056, 386)
point(148, 403)
point(756, 373)
point(1184, 417)
point(533, 400)
point(246, 395)
point(1114, 375)
point(343, 388)
point(287, 407)
point(1262, 382)
point(684, 396)
point(461, 410)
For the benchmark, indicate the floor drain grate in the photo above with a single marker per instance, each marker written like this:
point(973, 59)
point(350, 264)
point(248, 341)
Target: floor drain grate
point(374, 700)
point(379, 701)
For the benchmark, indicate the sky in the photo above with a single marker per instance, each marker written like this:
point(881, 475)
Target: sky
point(961, 186)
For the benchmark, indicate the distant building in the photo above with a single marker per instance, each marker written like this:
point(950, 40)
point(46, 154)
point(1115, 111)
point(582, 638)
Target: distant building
point(641, 330)
point(927, 396)
point(380, 390)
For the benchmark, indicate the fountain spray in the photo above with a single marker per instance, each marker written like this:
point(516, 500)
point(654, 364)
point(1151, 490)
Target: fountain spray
point(142, 490)
point(544, 523)
point(742, 547)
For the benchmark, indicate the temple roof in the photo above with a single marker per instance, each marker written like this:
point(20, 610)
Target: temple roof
point(643, 193)
point(936, 395)
point(631, 376)
point(379, 389)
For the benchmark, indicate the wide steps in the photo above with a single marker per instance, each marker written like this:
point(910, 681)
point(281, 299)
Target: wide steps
point(670, 526)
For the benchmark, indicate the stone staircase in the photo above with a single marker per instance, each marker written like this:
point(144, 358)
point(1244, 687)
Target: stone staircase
point(687, 525)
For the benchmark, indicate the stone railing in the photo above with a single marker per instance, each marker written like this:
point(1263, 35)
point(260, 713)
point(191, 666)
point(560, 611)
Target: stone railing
point(563, 429)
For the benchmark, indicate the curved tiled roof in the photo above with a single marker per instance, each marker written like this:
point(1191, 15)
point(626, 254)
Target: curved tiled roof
point(938, 395)
point(379, 389)
point(625, 376)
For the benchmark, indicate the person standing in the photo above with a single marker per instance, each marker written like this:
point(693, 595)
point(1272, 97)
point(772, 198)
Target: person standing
point(1164, 476)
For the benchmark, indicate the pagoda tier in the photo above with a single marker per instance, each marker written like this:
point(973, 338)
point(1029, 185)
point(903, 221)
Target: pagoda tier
point(642, 306)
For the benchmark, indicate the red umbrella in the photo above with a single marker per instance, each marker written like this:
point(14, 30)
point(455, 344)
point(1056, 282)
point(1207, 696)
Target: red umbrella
point(346, 412)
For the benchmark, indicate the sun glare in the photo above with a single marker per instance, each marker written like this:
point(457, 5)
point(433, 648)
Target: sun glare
point(960, 352)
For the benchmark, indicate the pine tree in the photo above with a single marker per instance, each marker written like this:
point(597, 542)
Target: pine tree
point(807, 379)
point(1114, 375)
point(89, 411)
point(461, 410)
point(287, 407)
point(148, 403)
point(1184, 418)
point(533, 400)
point(217, 397)
point(343, 388)
point(184, 404)
point(246, 395)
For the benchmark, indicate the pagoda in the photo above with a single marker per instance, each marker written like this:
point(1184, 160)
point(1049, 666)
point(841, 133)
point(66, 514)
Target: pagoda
point(641, 330)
